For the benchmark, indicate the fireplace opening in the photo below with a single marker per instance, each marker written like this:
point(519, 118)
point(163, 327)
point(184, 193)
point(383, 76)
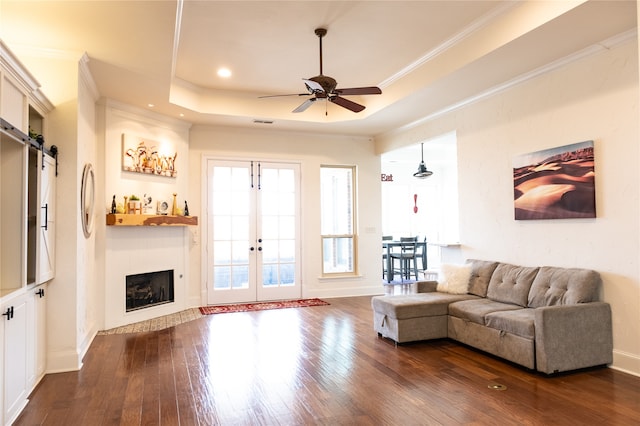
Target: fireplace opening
point(149, 289)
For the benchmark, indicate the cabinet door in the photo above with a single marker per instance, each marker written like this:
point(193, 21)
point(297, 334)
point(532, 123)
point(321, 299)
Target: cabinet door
point(47, 236)
point(15, 357)
point(13, 103)
point(38, 296)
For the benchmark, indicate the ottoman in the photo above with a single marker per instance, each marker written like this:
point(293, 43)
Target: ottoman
point(413, 317)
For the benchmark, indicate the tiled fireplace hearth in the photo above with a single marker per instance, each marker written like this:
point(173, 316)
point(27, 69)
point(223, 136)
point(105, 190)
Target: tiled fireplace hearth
point(145, 274)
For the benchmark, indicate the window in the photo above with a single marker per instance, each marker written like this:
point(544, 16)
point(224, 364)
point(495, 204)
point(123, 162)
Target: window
point(337, 197)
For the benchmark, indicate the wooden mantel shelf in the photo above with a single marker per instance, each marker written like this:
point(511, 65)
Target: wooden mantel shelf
point(150, 220)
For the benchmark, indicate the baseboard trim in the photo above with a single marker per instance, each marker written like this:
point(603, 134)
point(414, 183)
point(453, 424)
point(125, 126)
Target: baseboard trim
point(626, 362)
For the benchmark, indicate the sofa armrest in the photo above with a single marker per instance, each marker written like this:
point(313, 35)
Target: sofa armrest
point(427, 286)
point(569, 337)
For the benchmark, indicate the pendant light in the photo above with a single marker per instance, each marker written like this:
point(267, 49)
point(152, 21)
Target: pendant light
point(422, 169)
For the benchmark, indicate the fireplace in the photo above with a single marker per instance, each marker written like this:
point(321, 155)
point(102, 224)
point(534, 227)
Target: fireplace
point(149, 289)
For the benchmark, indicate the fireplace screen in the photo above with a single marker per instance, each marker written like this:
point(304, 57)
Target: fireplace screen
point(150, 289)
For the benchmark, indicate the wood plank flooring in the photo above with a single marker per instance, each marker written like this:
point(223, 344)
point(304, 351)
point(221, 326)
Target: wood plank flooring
point(320, 365)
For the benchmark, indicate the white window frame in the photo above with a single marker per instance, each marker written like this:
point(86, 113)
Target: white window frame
point(351, 234)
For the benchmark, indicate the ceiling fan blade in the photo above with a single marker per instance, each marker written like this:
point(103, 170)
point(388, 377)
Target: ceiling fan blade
point(277, 96)
point(359, 91)
point(306, 104)
point(346, 103)
point(313, 86)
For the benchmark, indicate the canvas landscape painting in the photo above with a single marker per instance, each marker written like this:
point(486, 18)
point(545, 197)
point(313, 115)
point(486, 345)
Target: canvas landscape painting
point(557, 183)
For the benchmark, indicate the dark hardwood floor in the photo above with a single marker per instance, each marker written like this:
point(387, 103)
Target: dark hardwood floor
point(319, 365)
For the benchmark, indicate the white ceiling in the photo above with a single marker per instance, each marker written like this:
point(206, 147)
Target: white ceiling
point(425, 55)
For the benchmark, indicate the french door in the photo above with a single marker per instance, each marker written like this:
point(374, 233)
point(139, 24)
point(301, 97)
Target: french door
point(253, 248)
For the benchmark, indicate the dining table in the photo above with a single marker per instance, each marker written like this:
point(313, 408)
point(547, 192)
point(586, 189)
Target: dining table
point(388, 245)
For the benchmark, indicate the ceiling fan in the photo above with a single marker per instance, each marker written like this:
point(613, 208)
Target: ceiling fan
point(324, 87)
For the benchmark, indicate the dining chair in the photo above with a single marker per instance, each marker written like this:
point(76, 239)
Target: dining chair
point(406, 257)
point(421, 255)
point(384, 254)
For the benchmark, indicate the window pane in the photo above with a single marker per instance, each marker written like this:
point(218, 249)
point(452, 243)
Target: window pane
point(270, 251)
point(287, 274)
point(337, 200)
point(241, 277)
point(270, 275)
point(221, 277)
point(337, 255)
point(337, 194)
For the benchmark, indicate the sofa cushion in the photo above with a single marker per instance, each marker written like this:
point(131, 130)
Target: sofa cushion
point(475, 310)
point(564, 286)
point(481, 271)
point(519, 322)
point(454, 279)
point(415, 305)
point(511, 284)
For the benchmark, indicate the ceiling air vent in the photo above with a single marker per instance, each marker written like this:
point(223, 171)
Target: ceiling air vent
point(263, 121)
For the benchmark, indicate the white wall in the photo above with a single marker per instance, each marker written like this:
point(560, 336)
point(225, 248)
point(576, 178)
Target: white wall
point(595, 98)
point(134, 250)
point(89, 282)
point(311, 151)
point(71, 127)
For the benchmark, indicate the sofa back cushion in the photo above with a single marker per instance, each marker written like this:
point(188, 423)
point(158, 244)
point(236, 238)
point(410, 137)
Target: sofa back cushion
point(564, 286)
point(481, 271)
point(511, 284)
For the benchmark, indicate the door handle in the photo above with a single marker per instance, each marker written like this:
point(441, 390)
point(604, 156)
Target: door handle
point(46, 216)
point(9, 313)
point(40, 292)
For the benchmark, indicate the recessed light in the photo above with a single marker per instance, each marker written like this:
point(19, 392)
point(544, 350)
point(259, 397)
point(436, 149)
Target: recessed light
point(150, 105)
point(224, 72)
point(181, 115)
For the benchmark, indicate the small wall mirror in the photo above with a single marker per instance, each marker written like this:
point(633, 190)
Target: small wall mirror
point(87, 199)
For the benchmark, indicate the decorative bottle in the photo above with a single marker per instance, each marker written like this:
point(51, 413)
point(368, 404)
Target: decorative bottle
point(186, 208)
point(113, 205)
point(174, 207)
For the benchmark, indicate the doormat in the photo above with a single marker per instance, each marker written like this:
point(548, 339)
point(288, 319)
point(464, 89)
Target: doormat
point(261, 306)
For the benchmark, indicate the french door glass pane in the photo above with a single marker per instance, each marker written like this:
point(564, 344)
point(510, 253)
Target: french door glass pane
point(278, 226)
point(230, 209)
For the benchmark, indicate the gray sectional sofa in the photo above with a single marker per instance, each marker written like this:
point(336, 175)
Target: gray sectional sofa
point(547, 319)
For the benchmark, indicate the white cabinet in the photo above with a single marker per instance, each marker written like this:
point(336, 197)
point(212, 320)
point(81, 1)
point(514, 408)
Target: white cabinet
point(36, 334)
point(13, 103)
point(15, 323)
point(27, 234)
point(23, 331)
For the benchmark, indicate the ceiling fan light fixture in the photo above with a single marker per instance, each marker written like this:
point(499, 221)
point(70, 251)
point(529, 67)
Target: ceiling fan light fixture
point(422, 168)
point(324, 87)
